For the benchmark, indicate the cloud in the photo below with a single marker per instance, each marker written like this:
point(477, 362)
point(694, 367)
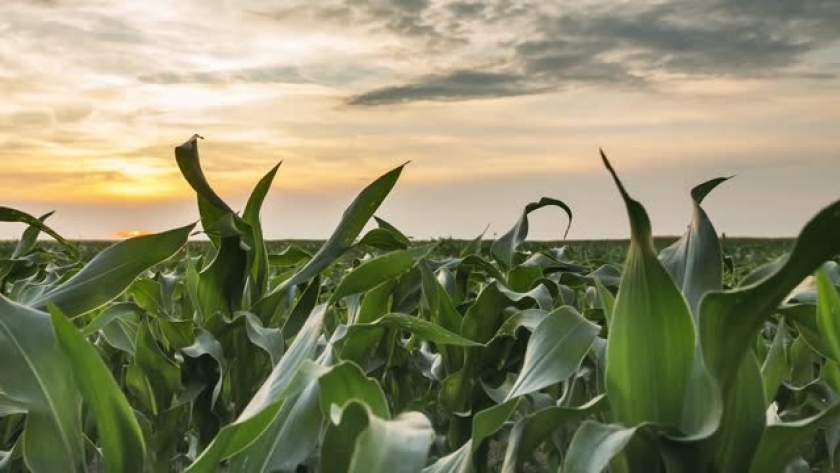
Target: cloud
point(457, 85)
point(627, 44)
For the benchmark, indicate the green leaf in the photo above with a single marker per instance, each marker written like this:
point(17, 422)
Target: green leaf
point(424, 329)
point(259, 257)
point(595, 445)
point(293, 373)
point(186, 155)
point(117, 428)
point(531, 431)
point(16, 216)
point(504, 249)
point(30, 238)
point(37, 379)
point(554, 351)
point(729, 320)
point(744, 418)
point(162, 374)
point(650, 350)
point(775, 366)
point(110, 273)
point(206, 344)
point(352, 222)
point(828, 312)
point(341, 436)
point(345, 383)
point(781, 442)
point(695, 261)
point(393, 446)
point(269, 339)
point(378, 270)
point(289, 439)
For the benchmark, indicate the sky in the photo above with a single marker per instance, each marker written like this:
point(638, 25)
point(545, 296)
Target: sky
point(495, 103)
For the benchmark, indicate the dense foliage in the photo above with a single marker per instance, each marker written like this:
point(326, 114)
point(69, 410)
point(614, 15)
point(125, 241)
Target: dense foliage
point(404, 359)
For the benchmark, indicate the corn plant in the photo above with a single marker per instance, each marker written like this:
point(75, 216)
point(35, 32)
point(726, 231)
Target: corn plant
point(379, 354)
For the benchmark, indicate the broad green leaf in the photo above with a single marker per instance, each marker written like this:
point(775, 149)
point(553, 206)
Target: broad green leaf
point(289, 439)
point(37, 378)
point(293, 374)
point(531, 431)
point(110, 273)
point(595, 445)
point(743, 420)
point(729, 319)
point(341, 436)
point(828, 312)
point(393, 446)
point(117, 428)
point(651, 347)
point(695, 261)
point(378, 270)
point(346, 382)
point(554, 351)
point(529, 319)
point(781, 442)
point(269, 339)
point(504, 249)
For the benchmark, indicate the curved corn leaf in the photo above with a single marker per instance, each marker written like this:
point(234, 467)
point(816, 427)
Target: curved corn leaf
point(352, 222)
point(650, 350)
point(695, 261)
point(37, 378)
point(293, 374)
point(781, 442)
point(595, 445)
point(206, 344)
point(11, 215)
point(554, 351)
point(123, 447)
point(729, 318)
point(29, 237)
point(341, 436)
point(346, 382)
point(533, 430)
point(111, 272)
point(504, 249)
point(378, 270)
point(400, 445)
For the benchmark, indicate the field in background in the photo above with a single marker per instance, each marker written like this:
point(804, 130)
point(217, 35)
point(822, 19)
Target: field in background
point(746, 253)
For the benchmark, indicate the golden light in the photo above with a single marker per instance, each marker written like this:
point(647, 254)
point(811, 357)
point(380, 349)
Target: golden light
point(130, 233)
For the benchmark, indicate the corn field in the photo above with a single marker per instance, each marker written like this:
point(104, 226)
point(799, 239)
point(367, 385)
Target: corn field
point(154, 357)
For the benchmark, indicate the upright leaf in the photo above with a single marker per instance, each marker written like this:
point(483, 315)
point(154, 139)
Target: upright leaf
point(123, 447)
point(650, 350)
point(37, 379)
point(695, 261)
